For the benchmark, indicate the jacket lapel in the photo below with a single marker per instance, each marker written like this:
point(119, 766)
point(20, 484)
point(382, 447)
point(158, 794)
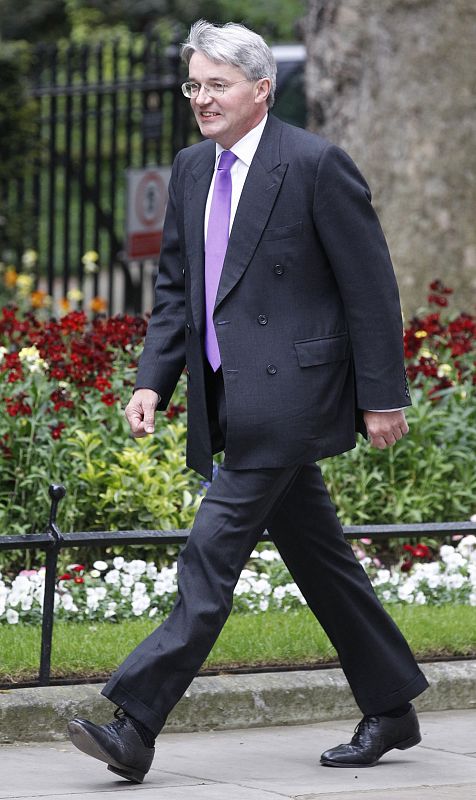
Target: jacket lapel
point(197, 184)
point(257, 199)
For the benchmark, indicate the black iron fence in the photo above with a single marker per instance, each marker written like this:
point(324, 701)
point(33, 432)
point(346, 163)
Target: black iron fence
point(100, 109)
point(53, 541)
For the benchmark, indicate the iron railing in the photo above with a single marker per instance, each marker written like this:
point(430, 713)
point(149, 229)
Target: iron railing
point(53, 541)
point(101, 108)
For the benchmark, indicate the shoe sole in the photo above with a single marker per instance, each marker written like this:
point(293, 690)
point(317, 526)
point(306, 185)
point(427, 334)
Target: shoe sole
point(87, 744)
point(404, 745)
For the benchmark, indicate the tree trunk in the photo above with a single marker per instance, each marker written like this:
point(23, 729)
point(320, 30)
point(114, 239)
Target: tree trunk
point(394, 83)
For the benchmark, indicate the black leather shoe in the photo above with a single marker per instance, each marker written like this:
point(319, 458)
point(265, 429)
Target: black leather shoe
point(117, 743)
point(373, 737)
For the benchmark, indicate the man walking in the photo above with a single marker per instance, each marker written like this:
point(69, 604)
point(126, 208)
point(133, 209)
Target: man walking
point(276, 289)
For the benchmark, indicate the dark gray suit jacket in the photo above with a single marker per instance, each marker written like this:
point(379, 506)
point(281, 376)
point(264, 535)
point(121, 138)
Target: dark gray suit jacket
point(307, 315)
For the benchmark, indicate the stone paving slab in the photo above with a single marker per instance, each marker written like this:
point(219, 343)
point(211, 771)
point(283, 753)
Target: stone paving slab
point(274, 763)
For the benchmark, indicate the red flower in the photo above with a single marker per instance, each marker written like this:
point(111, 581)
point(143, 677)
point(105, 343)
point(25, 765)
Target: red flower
point(108, 399)
point(57, 430)
point(7, 451)
point(77, 567)
point(65, 577)
point(438, 286)
point(173, 411)
point(438, 300)
point(16, 406)
point(102, 383)
point(422, 551)
point(79, 580)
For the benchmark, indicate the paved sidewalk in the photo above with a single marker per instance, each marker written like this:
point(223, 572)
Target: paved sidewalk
point(276, 763)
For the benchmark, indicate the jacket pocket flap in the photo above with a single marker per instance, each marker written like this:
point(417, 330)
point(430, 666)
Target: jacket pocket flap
point(312, 352)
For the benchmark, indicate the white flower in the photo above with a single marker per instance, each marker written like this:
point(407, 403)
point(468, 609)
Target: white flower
point(268, 555)
point(127, 580)
point(30, 358)
point(382, 576)
point(467, 545)
point(26, 602)
point(279, 592)
point(13, 599)
point(140, 604)
point(446, 550)
point(248, 573)
point(140, 588)
point(455, 580)
point(242, 587)
point(405, 592)
point(29, 258)
point(125, 591)
point(262, 586)
point(92, 600)
point(12, 616)
point(21, 584)
point(95, 573)
point(118, 562)
point(136, 567)
point(110, 610)
point(100, 565)
point(152, 571)
point(420, 599)
point(263, 604)
point(113, 577)
point(67, 602)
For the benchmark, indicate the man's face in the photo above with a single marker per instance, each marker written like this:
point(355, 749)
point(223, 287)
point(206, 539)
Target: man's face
point(226, 118)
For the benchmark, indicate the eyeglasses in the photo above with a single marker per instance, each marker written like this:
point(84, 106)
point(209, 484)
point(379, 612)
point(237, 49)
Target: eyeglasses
point(216, 89)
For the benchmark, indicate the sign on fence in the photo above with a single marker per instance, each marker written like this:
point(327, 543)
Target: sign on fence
point(147, 196)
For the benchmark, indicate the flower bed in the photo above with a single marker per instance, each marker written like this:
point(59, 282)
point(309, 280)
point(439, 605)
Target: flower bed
point(65, 381)
point(126, 589)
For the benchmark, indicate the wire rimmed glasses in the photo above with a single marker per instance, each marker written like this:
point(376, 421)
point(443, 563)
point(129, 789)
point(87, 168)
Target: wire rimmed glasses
point(191, 89)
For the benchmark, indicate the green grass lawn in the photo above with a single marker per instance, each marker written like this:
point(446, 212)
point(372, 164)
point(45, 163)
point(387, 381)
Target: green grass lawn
point(272, 638)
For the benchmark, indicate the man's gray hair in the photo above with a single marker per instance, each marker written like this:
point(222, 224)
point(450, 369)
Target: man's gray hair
point(233, 44)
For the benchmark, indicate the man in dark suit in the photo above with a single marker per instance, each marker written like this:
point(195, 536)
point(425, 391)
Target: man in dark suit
point(276, 289)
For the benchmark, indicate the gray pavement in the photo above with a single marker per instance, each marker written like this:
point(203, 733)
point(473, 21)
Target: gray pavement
point(272, 763)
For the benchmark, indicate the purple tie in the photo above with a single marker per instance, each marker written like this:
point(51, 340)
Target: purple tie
point(218, 232)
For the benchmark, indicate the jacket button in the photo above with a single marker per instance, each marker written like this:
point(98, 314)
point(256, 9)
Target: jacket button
point(263, 319)
point(271, 369)
point(278, 269)
point(188, 327)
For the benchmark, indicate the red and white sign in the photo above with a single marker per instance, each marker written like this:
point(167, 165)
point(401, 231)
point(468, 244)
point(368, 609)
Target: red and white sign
point(147, 195)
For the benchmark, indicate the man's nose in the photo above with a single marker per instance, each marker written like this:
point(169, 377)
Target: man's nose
point(202, 96)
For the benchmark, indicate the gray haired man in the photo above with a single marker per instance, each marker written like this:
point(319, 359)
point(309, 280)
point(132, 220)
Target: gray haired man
point(276, 290)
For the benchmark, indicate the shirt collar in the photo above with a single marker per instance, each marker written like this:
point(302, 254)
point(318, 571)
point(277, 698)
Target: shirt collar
point(246, 147)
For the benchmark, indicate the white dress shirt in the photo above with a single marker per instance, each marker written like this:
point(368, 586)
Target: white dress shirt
point(244, 149)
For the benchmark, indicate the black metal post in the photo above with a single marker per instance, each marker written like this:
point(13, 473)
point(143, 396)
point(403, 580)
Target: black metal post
point(56, 492)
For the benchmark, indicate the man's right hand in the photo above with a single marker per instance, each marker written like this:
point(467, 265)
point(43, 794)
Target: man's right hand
point(140, 412)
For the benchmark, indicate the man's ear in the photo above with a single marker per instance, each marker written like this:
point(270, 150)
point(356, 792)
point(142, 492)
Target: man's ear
point(263, 88)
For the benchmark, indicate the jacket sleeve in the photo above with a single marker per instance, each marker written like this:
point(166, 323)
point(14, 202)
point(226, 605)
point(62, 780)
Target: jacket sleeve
point(350, 232)
point(163, 357)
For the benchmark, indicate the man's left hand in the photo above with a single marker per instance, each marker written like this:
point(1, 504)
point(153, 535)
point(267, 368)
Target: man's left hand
point(385, 427)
